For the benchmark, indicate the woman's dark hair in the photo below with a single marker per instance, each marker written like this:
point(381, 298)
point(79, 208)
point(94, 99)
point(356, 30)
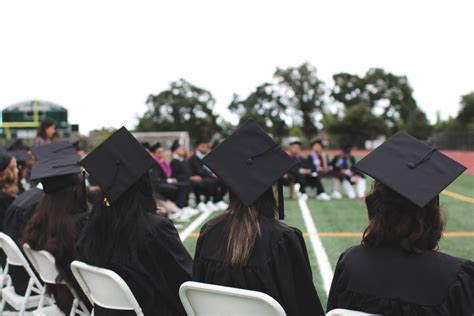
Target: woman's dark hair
point(45, 124)
point(395, 221)
point(54, 226)
point(114, 231)
point(244, 227)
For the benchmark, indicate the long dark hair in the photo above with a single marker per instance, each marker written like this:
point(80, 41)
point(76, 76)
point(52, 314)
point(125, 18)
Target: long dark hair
point(114, 231)
point(244, 226)
point(45, 124)
point(54, 226)
point(395, 221)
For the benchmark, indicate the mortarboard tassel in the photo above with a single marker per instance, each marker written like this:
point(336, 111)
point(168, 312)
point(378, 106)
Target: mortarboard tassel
point(281, 201)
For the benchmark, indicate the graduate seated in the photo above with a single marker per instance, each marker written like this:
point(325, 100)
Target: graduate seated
point(319, 168)
point(124, 233)
point(59, 215)
point(8, 194)
point(247, 246)
point(398, 270)
point(208, 189)
point(344, 171)
point(295, 177)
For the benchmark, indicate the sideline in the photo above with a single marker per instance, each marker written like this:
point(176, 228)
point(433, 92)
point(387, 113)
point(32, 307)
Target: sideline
point(458, 196)
point(184, 234)
point(325, 268)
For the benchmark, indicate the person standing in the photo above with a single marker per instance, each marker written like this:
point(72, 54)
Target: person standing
point(398, 269)
point(248, 247)
point(46, 133)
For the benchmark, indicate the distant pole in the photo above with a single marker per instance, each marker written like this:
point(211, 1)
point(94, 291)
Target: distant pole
point(35, 111)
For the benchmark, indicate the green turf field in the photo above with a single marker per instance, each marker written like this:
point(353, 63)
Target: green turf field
point(350, 216)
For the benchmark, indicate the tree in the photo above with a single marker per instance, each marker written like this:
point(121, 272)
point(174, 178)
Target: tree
point(387, 95)
point(355, 126)
point(302, 93)
point(182, 107)
point(264, 107)
point(294, 99)
point(466, 114)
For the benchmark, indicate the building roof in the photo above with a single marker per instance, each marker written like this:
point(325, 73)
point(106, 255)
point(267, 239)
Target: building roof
point(25, 106)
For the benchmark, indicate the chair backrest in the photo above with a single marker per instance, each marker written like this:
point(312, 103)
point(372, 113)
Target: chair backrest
point(201, 299)
point(44, 263)
point(104, 287)
point(14, 255)
point(16, 258)
point(347, 312)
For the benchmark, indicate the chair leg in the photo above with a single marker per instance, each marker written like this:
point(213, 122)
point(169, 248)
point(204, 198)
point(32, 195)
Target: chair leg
point(25, 298)
point(42, 297)
point(83, 308)
point(2, 305)
point(74, 307)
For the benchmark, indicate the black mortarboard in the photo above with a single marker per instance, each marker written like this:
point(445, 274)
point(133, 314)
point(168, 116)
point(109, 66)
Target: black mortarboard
point(249, 162)
point(175, 145)
point(21, 155)
point(145, 145)
point(17, 144)
point(155, 147)
point(5, 159)
point(411, 168)
point(118, 163)
point(55, 160)
point(54, 149)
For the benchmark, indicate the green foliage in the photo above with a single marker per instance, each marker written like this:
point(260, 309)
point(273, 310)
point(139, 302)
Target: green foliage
point(466, 114)
point(302, 94)
point(357, 125)
point(182, 107)
point(387, 94)
point(264, 107)
point(294, 99)
point(463, 122)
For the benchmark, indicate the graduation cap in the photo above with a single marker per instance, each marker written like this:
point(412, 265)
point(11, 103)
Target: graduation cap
point(5, 159)
point(21, 155)
point(411, 168)
point(56, 167)
point(175, 145)
point(249, 162)
point(118, 163)
point(63, 148)
point(155, 147)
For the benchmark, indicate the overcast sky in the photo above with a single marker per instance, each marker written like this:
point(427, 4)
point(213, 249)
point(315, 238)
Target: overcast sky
point(101, 59)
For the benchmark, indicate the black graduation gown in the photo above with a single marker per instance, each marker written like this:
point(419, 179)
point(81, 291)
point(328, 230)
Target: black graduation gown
point(390, 282)
point(20, 212)
point(162, 265)
point(5, 201)
point(14, 221)
point(278, 266)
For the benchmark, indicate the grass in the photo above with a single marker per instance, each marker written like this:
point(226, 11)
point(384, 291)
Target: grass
point(351, 216)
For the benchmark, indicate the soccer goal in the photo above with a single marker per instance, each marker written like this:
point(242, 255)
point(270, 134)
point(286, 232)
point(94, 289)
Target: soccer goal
point(165, 138)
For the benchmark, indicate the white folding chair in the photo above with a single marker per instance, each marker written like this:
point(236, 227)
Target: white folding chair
point(16, 258)
point(105, 288)
point(201, 299)
point(347, 312)
point(45, 263)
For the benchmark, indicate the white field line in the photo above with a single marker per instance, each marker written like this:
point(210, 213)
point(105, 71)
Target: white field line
point(194, 225)
point(325, 268)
